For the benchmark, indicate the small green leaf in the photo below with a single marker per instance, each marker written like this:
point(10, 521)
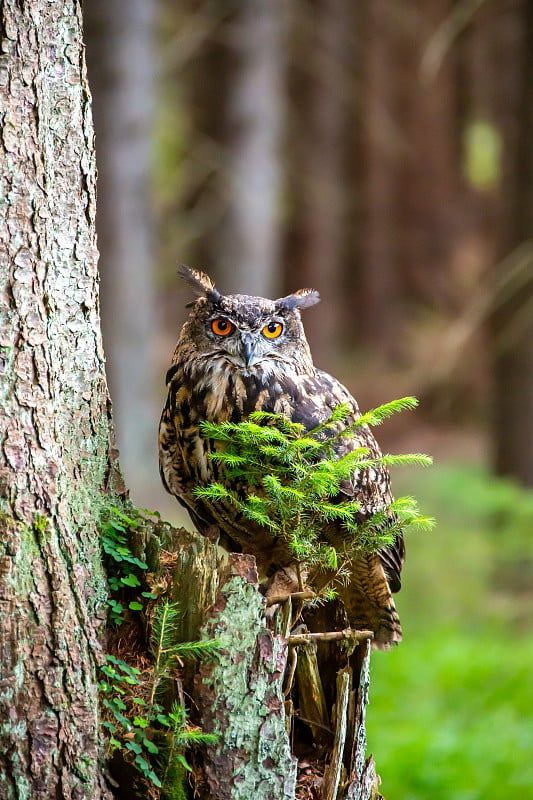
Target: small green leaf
point(181, 760)
point(141, 722)
point(155, 780)
point(135, 606)
point(142, 763)
point(115, 744)
point(124, 721)
point(130, 580)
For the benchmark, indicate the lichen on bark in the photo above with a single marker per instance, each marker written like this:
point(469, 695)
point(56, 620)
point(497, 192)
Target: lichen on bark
point(240, 695)
point(55, 420)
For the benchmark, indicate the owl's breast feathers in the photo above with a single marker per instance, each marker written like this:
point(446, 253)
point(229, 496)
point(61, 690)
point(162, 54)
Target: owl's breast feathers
point(214, 390)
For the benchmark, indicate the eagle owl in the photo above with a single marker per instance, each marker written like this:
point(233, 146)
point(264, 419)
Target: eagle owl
point(237, 354)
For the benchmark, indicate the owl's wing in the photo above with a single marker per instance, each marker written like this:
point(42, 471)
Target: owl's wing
point(314, 399)
point(178, 458)
point(174, 466)
point(170, 455)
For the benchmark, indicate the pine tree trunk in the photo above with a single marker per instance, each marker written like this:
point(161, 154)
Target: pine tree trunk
point(121, 64)
point(56, 459)
point(379, 315)
point(234, 89)
point(512, 322)
point(316, 150)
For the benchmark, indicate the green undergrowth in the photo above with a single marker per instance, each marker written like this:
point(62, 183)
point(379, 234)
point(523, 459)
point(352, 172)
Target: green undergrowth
point(449, 715)
point(143, 708)
point(124, 568)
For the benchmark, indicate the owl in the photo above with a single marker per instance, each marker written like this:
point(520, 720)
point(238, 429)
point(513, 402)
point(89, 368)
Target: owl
point(237, 354)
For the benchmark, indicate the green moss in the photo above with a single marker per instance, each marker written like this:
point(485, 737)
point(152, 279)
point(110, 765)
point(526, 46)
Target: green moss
point(87, 499)
point(85, 506)
point(40, 524)
point(28, 552)
point(17, 767)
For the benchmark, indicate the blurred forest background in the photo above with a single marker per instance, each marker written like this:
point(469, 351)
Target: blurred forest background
point(383, 154)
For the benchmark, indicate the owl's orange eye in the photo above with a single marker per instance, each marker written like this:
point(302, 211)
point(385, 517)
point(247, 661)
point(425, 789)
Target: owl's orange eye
point(272, 330)
point(221, 326)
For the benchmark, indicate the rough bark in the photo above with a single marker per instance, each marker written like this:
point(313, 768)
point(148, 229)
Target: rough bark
point(241, 698)
point(55, 425)
point(245, 692)
point(121, 64)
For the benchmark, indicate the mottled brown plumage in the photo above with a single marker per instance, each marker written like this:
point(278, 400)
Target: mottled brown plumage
point(237, 354)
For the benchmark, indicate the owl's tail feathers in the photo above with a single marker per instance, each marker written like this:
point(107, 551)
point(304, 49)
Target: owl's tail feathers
point(369, 604)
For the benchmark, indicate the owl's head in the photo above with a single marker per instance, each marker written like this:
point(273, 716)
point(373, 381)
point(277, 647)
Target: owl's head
point(245, 331)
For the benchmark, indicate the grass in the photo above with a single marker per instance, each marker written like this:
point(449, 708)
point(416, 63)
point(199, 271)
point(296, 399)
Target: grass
point(450, 713)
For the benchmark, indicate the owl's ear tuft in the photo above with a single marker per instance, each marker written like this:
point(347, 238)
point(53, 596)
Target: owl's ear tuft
point(303, 298)
point(201, 284)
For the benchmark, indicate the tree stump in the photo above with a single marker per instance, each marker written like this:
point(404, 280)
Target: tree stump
point(243, 693)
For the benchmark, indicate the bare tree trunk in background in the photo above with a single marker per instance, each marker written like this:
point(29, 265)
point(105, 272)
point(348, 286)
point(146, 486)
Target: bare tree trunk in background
point(55, 456)
point(512, 323)
point(235, 90)
point(316, 152)
point(428, 199)
point(377, 306)
point(121, 64)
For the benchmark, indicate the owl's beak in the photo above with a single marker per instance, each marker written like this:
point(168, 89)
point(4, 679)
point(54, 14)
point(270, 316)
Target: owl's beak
point(248, 347)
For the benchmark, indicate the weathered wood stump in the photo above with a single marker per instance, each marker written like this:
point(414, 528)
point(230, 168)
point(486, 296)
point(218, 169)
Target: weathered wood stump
point(282, 735)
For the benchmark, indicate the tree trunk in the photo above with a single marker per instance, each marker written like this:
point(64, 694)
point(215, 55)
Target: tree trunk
point(316, 144)
point(235, 101)
point(55, 422)
point(427, 110)
point(512, 323)
point(377, 307)
point(121, 64)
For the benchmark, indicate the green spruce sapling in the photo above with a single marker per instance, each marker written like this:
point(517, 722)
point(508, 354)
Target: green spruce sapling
point(293, 478)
